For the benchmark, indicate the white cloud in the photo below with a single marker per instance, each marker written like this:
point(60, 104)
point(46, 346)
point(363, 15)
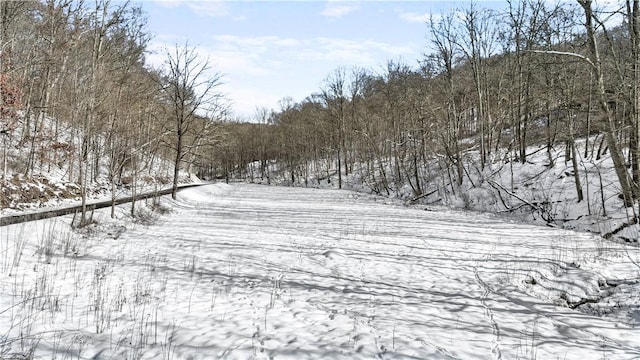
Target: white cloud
point(344, 52)
point(259, 71)
point(338, 9)
point(266, 55)
point(169, 3)
point(256, 56)
point(212, 8)
point(253, 44)
point(246, 99)
point(412, 17)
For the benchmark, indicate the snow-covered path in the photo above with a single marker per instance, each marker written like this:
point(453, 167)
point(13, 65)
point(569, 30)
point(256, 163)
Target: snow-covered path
point(266, 272)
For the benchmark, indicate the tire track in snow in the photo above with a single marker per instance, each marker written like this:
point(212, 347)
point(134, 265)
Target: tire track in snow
point(495, 328)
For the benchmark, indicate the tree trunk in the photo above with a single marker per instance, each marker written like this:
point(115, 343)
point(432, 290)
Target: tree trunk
point(634, 147)
point(339, 170)
point(616, 153)
point(176, 164)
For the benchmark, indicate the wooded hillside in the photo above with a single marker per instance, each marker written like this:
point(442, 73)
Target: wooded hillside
point(77, 96)
point(490, 86)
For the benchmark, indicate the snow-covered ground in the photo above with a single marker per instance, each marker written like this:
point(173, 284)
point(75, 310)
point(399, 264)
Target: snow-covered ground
point(249, 271)
point(533, 191)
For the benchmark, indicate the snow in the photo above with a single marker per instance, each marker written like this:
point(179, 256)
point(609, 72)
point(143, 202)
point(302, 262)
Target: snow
point(532, 191)
point(247, 271)
point(52, 184)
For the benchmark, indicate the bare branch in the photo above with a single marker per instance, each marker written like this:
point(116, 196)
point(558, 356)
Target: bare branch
point(564, 53)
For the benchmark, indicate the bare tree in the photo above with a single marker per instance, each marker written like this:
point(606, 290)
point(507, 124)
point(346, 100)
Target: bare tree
point(444, 38)
point(610, 128)
point(334, 96)
point(192, 92)
point(633, 21)
point(100, 22)
point(479, 44)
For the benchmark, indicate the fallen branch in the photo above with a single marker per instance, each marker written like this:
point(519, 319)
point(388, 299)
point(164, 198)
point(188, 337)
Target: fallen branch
point(631, 222)
point(575, 304)
point(423, 196)
point(534, 206)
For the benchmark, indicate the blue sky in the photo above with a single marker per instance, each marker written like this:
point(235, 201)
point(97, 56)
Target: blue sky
point(268, 50)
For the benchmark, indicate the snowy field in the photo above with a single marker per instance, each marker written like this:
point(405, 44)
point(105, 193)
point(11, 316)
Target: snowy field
point(247, 271)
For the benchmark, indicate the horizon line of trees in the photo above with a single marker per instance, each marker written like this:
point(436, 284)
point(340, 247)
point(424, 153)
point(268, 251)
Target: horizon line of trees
point(537, 73)
point(77, 95)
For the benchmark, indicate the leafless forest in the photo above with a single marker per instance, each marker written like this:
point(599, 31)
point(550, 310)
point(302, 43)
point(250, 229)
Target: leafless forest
point(77, 95)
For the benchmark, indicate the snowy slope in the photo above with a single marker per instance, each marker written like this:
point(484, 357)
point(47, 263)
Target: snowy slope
point(532, 191)
point(249, 271)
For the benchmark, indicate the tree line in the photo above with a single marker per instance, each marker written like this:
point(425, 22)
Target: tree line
point(77, 96)
point(491, 84)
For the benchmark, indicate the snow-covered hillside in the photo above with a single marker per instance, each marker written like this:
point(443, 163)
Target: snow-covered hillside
point(533, 191)
point(54, 180)
point(248, 271)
